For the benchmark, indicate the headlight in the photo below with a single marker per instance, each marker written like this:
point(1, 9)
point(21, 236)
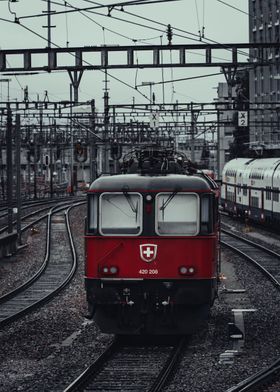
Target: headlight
point(186, 270)
point(111, 270)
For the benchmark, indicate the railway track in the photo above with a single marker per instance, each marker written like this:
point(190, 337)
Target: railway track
point(55, 273)
point(268, 262)
point(27, 216)
point(124, 367)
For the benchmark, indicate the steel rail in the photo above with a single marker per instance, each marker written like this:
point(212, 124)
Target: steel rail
point(38, 273)
point(169, 367)
point(31, 203)
point(266, 375)
point(27, 216)
point(83, 379)
point(86, 379)
point(25, 301)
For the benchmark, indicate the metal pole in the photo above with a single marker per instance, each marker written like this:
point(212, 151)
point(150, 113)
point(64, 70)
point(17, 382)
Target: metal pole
point(8, 89)
point(2, 181)
point(114, 129)
point(18, 145)
point(105, 160)
point(218, 145)
point(49, 23)
point(51, 167)
point(71, 147)
point(162, 75)
point(9, 170)
point(35, 167)
point(92, 157)
point(192, 133)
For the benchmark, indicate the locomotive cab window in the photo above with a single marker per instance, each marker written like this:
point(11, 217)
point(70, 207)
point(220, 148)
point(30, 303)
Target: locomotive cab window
point(177, 214)
point(92, 221)
point(206, 214)
point(120, 213)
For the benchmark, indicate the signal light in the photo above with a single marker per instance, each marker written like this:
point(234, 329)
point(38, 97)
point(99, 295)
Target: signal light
point(184, 270)
point(169, 34)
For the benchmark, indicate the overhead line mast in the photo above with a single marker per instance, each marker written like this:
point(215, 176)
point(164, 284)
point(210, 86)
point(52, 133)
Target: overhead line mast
point(49, 26)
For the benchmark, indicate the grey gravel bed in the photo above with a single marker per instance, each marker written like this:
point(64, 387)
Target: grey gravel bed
point(258, 234)
point(48, 348)
point(200, 370)
point(17, 269)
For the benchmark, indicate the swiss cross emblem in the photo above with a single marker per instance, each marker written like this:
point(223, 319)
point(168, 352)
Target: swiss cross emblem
point(148, 252)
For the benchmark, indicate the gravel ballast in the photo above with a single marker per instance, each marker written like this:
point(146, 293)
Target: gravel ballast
point(47, 349)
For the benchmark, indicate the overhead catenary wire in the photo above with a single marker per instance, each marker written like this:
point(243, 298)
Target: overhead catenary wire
point(198, 39)
point(86, 62)
point(233, 7)
point(197, 17)
point(103, 27)
point(66, 26)
point(107, 6)
point(124, 36)
point(99, 5)
point(150, 27)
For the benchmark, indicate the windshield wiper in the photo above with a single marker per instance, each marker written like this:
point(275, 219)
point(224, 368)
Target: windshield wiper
point(130, 202)
point(168, 200)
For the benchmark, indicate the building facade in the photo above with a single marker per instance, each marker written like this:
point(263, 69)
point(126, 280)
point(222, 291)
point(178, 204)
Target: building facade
point(265, 80)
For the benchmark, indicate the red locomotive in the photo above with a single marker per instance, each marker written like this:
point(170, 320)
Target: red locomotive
point(151, 246)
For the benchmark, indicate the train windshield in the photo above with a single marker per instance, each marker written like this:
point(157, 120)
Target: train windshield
point(177, 213)
point(121, 213)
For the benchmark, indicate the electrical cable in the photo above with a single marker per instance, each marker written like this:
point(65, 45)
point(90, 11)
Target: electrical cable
point(183, 79)
point(66, 25)
point(172, 76)
point(233, 7)
point(198, 39)
point(101, 26)
point(86, 62)
point(108, 6)
point(197, 17)
point(152, 28)
point(109, 30)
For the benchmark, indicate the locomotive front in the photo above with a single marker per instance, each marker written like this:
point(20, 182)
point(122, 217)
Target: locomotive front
point(151, 252)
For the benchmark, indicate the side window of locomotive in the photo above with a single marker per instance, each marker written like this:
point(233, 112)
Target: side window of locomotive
point(177, 214)
point(92, 220)
point(206, 214)
point(120, 213)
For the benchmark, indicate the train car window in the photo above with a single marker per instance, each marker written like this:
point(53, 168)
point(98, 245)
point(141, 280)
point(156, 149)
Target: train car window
point(254, 201)
point(177, 214)
point(121, 213)
point(206, 215)
point(92, 222)
point(268, 193)
point(275, 195)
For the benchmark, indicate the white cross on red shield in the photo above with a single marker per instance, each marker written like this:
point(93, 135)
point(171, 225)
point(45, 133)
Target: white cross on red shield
point(148, 252)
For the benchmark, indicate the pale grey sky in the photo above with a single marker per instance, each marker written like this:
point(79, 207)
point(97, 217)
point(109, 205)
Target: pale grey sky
point(222, 24)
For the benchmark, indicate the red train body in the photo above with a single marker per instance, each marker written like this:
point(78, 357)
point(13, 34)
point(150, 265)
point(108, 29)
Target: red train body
point(151, 252)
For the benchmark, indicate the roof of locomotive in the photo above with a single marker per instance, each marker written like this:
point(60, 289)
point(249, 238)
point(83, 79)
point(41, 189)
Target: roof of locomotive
point(152, 183)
